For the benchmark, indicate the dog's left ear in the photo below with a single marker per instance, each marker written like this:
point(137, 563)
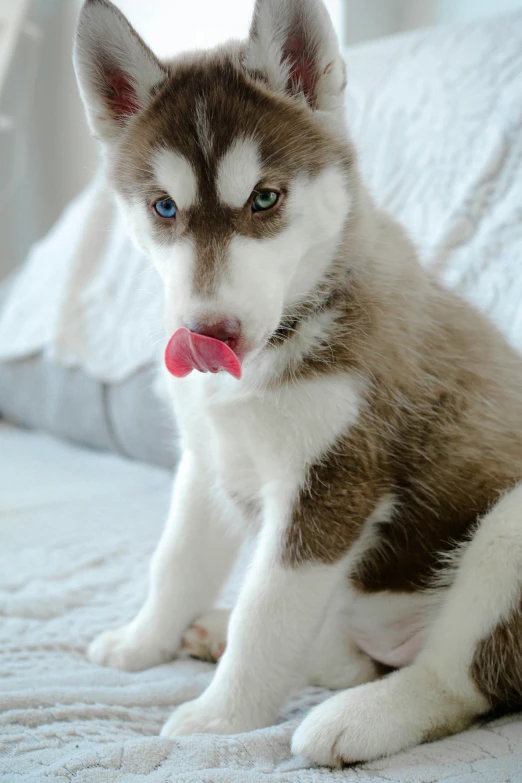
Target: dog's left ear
point(294, 46)
point(116, 70)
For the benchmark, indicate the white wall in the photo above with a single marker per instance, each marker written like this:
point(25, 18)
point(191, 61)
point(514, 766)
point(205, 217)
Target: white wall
point(48, 156)
point(367, 19)
point(463, 10)
point(170, 26)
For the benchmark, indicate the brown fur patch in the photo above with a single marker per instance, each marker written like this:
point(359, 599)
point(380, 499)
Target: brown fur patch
point(440, 430)
point(419, 457)
point(496, 667)
point(341, 492)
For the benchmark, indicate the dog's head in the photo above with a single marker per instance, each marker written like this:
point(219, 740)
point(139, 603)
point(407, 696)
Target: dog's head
point(231, 166)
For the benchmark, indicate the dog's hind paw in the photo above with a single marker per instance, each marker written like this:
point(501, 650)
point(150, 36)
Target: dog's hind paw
point(206, 639)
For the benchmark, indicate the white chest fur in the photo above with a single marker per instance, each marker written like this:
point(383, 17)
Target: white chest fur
point(252, 439)
point(253, 442)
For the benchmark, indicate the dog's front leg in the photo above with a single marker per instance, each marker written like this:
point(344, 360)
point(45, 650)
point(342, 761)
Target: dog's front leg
point(192, 560)
point(272, 627)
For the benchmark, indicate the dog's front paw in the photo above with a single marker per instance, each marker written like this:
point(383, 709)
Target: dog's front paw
point(404, 709)
point(322, 732)
point(199, 717)
point(128, 648)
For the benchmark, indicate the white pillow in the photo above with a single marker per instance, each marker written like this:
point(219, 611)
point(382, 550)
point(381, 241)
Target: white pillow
point(86, 297)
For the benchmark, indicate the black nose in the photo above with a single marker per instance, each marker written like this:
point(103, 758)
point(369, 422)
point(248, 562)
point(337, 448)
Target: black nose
point(226, 330)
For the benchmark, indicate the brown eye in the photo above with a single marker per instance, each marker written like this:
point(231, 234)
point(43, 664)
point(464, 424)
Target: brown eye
point(264, 199)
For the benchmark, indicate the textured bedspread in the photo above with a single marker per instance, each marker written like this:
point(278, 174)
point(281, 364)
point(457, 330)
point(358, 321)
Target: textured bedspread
point(76, 531)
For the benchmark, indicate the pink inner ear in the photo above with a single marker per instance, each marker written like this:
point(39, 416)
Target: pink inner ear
point(122, 99)
point(302, 75)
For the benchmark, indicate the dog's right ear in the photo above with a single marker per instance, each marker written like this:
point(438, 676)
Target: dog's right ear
point(116, 70)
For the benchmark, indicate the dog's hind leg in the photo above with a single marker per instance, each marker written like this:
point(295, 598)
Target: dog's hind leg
point(335, 660)
point(206, 639)
point(454, 679)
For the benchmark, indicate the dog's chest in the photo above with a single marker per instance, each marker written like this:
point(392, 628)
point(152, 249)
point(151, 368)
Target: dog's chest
point(265, 439)
point(238, 458)
point(251, 439)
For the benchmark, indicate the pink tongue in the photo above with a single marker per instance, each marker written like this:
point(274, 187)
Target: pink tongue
point(187, 351)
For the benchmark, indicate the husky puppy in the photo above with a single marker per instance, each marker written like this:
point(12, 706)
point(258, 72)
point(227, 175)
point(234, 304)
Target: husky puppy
point(373, 443)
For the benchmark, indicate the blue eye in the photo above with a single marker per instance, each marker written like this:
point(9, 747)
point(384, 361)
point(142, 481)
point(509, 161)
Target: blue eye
point(165, 208)
point(264, 200)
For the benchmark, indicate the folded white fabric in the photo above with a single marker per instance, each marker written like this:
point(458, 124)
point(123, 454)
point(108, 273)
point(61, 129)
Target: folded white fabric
point(86, 297)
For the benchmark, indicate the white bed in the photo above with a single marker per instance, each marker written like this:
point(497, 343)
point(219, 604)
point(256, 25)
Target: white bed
point(77, 528)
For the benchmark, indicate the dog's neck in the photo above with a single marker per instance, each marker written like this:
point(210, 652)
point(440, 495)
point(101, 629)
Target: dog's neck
point(353, 320)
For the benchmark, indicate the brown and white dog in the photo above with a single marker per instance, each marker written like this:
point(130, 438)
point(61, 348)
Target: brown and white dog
point(374, 441)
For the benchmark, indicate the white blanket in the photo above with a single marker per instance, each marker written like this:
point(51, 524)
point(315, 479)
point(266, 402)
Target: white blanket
point(76, 532)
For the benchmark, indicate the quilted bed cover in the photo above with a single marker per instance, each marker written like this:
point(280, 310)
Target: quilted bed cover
point(77, 529)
